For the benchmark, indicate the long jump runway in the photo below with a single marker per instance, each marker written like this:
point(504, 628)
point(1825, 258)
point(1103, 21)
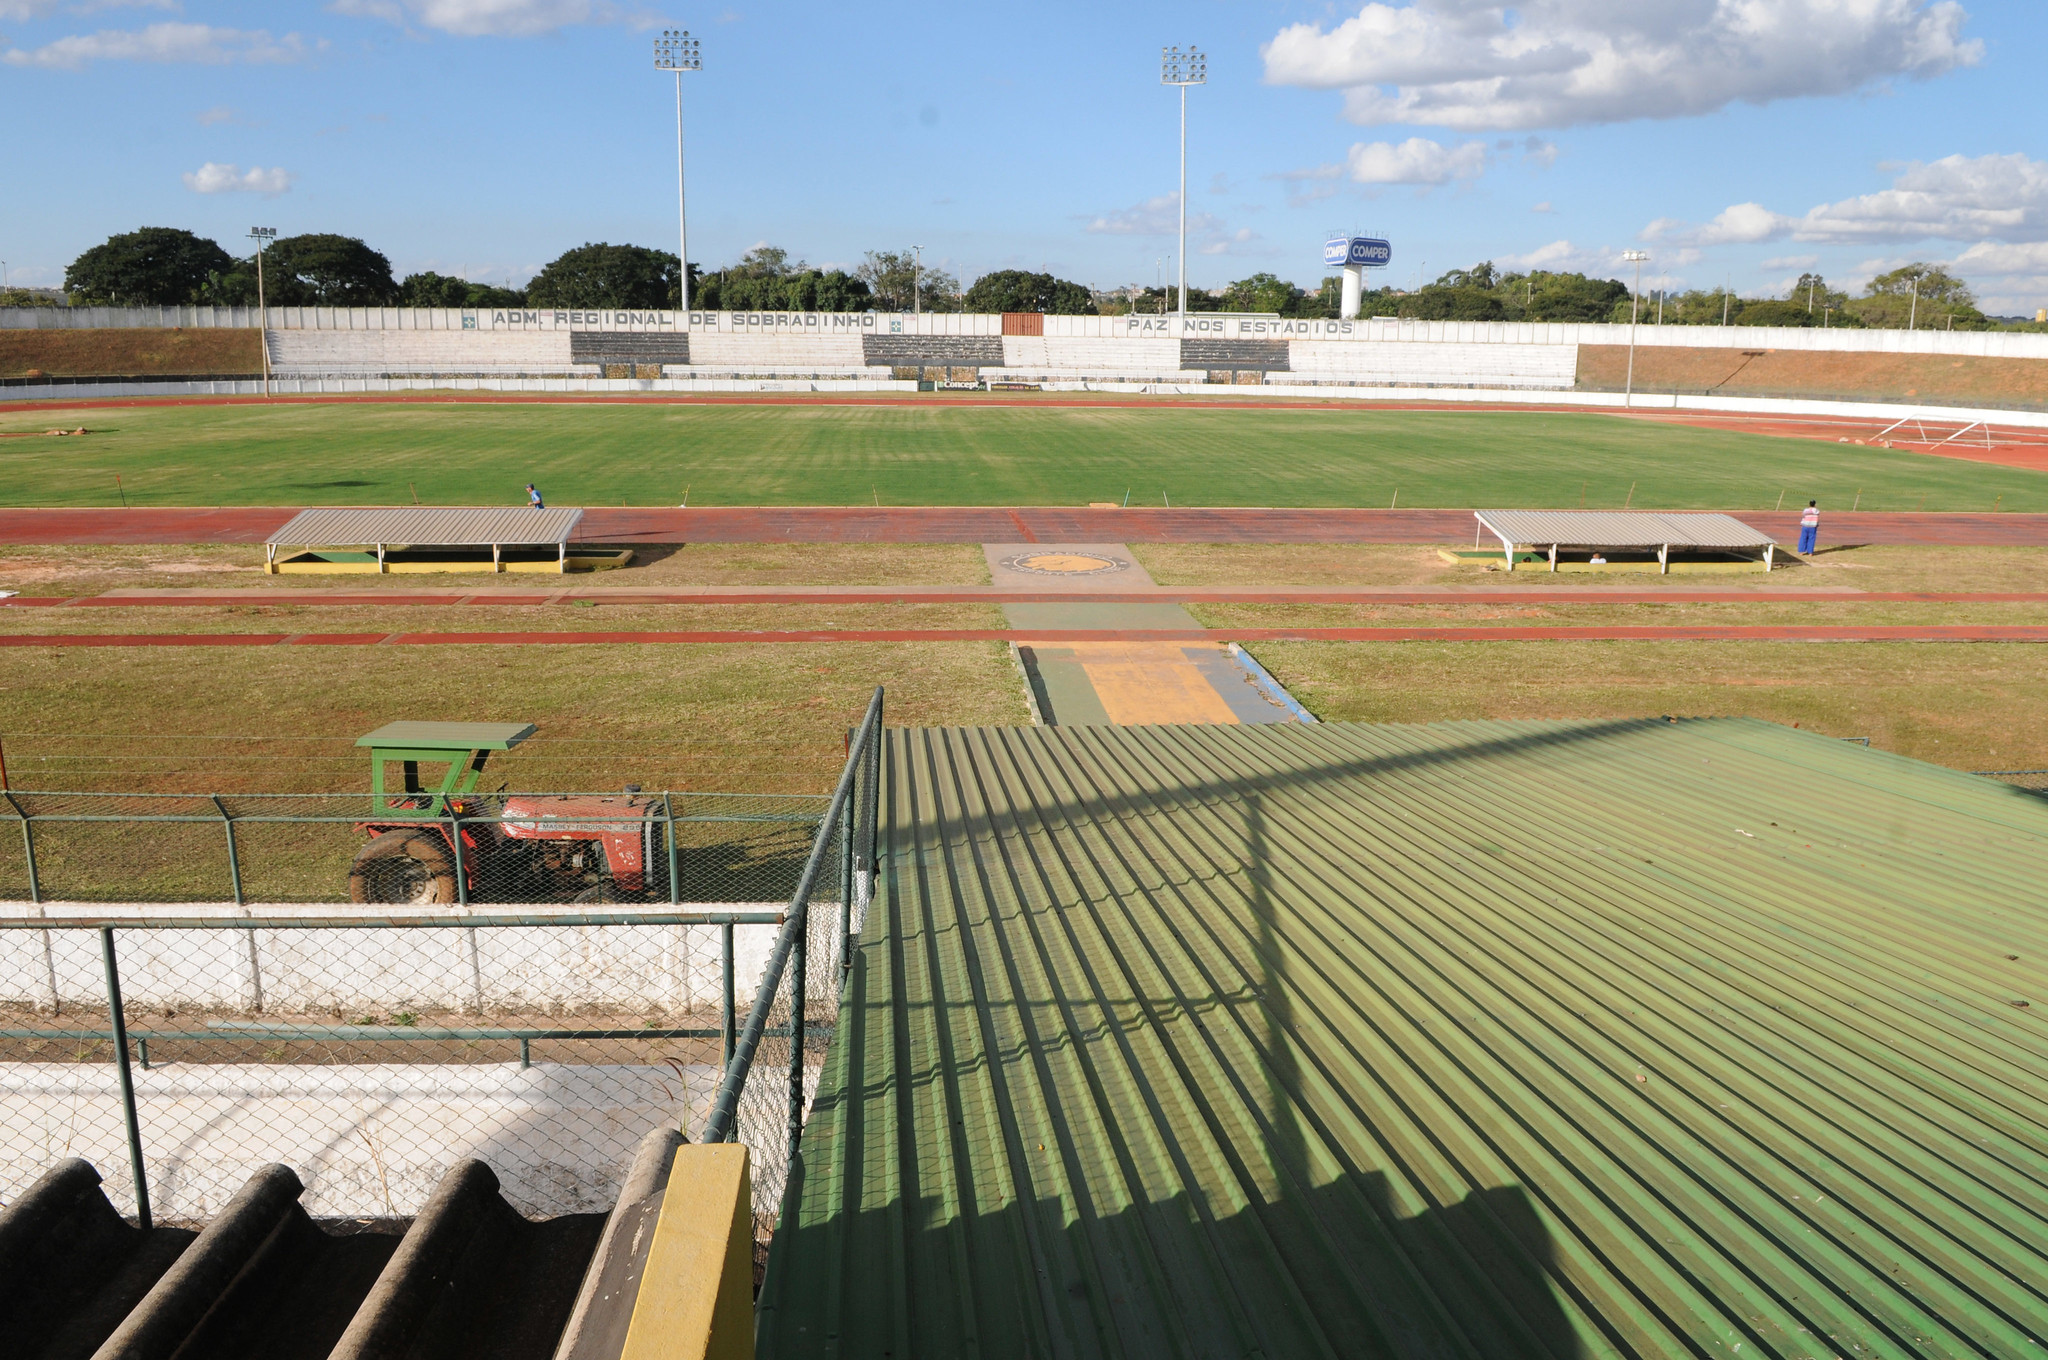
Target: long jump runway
point(993, 524)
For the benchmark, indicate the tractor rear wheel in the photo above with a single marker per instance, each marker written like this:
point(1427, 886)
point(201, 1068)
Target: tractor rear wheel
point(403, 866)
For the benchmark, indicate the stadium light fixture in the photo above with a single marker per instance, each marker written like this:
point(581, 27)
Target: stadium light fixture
point(675, 50)
point(1635, 303)
point(1183, 67)
point(916, 280)
point(262, 236)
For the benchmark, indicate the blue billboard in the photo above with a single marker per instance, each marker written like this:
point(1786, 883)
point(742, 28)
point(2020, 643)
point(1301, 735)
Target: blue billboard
point(1365, 251)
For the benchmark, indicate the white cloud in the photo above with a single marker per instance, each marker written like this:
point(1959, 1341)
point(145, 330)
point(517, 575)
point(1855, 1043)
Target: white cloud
point(1473, 65)
point(1600, 261)
point(1957, 198)
point(23, 10)
point(1543, 207)
point(1415, 161)
point(1792, 262)
point(1207, 233)
point(212, 178)
point(167, 42)
point(493, 18)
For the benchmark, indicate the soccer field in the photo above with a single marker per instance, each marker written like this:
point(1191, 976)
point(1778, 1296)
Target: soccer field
point(954, 454)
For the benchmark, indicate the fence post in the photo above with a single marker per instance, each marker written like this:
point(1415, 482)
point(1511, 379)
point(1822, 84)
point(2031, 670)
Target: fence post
point(797, 957)
point(847, 822)
point(234, 859)
point(28, 845)
point(120, 1027)
point(675, 888)
point(461, 877)
point(725, 1015)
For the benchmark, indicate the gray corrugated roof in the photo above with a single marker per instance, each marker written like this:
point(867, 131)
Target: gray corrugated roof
point(426, 526)
point(1621, 528)
point(1529, 1039)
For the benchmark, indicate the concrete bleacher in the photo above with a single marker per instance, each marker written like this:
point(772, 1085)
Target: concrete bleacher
point(1433, 364)
point(949, 351)
point(427, 352)
point(715, 352)
point(1081, 357)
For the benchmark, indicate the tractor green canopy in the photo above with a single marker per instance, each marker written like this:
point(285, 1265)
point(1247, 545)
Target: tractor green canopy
point(462, 746)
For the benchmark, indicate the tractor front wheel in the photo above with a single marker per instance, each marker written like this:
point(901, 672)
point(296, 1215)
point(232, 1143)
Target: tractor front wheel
point(403, 866)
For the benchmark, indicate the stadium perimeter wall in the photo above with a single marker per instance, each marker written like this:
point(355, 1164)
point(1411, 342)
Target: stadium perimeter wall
point(593, 351)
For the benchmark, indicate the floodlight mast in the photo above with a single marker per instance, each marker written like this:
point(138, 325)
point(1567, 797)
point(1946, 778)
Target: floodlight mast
point(675, 50)
point(1183, 68)
point(261, 236)
point(1635, 300)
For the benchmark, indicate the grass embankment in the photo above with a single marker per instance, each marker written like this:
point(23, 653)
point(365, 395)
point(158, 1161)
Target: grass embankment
point(1934, 379)
point(456, 453)
point(39, 570)
point(1967, 707)
point(130, 353)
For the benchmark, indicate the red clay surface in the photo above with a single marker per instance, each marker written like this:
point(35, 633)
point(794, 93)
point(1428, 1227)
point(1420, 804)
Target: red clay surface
point(996, 524)
point(1681, 633)
point(736, 595)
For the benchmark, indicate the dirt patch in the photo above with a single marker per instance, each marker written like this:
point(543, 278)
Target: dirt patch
point(126, 352)
point(1937, 379)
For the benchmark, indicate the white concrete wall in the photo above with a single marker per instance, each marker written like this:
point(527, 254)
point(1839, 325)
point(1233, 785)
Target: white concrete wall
point(428, 351)
point(766, 351)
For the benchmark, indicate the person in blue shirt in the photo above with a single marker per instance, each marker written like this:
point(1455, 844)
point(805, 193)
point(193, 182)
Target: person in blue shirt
point(533, 497)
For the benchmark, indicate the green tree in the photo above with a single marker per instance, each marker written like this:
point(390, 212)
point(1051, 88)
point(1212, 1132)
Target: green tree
point(1482, 276)
point(150, 267)
point(1157, 301)
point(1263, 293)
point(603, 275)
point(429, 289)
point(1437, 302)
point(1776, 312)
point(812, 290)
point(1920, 295)
point(1569, 297)
point(1017, 290)
point(320, 269)
point(899, 283)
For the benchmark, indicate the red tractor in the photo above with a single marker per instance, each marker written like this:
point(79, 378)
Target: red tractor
point(519, 848)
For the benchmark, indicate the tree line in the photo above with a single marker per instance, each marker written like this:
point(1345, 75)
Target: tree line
point(168, 266)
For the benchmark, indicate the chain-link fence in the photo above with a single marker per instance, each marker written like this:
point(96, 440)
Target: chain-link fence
point(2035, 781)
point(519, 848)
point(371, 1047)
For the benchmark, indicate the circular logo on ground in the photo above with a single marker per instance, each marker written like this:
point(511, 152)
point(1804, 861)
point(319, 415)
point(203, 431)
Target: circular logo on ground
point(1063, 564)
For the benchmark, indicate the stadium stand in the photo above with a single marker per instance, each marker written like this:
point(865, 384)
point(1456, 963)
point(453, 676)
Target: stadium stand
point(629, 347)
point(401, 351)
point(1425, 363)
point(1266, 356)
point(956, 351)
point(805, 355)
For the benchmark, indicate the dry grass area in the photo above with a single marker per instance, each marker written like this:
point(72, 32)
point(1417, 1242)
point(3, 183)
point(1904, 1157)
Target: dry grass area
point(767, 718)
point(1403, 566)
point(1592, 613)
point(566, 616)
point(39, 570)
point(1968, 707)
point(125, 352)
point(1936, 378)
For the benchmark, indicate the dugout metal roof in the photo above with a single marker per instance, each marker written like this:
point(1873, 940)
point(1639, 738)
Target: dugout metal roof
point(427, 526)
point(1506, 1039)
point(1620, 529)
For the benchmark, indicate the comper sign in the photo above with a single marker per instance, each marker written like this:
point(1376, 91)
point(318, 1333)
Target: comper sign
point(1355, 254)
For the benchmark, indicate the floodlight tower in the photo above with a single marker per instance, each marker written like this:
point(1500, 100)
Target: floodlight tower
point(1183, 68)
point(1634, 303)
point(675, 50)
point(262, 236)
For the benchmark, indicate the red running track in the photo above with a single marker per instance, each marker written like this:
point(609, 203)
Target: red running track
point(995, 524)
point(1680, 633)
point(887, 595)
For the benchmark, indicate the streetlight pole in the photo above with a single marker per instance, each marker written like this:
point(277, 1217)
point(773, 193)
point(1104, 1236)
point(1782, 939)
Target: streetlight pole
point(1183, 68)
point(262, 236)
point(1635, 302)
point(916, 280)
point(675, 50)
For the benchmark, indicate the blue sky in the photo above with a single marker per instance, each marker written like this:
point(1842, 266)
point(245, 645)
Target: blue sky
point(1736, 140)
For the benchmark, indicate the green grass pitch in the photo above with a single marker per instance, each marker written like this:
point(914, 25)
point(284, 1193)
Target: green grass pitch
point(942, 454)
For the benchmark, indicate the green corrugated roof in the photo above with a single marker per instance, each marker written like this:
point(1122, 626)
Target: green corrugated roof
point(1471, 1039)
